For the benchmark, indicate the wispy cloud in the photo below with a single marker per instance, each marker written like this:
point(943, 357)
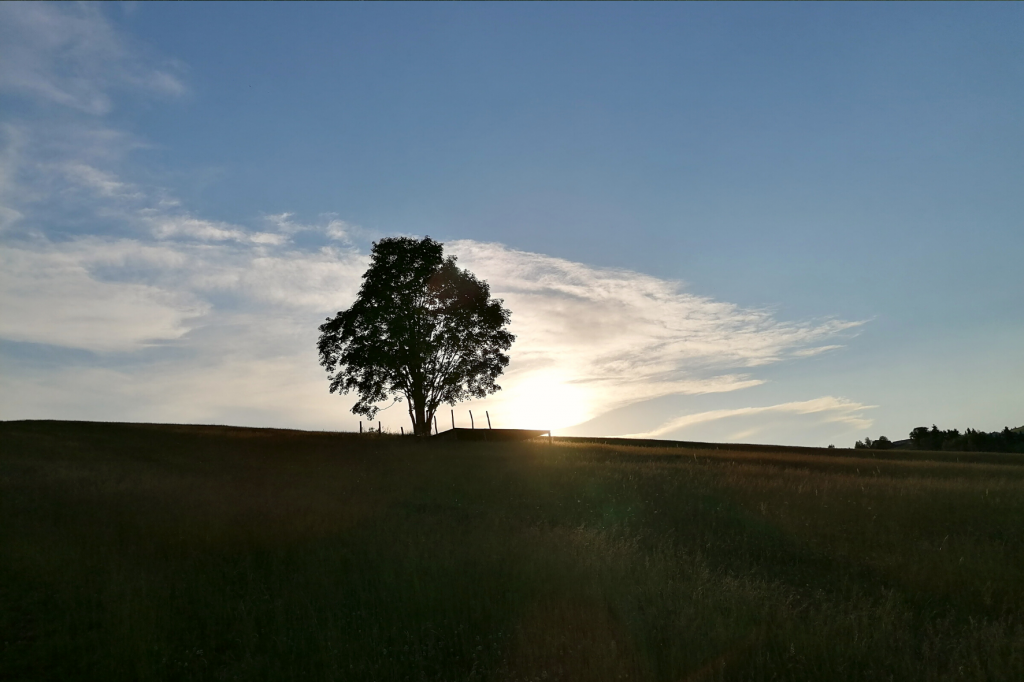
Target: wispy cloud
point(615, 337)
point(187, 227)
point(50, 296)
point(101, 294)
point(810, 352)
point(825, 410)
point(102, 183)
point(329, 225)
point(71, 55)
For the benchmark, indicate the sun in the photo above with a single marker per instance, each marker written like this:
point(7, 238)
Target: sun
point(545, 400)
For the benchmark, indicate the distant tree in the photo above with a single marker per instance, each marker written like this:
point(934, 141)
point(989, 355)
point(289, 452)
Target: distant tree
point(935, 438)
point(420, 329)
point(919, 437)
point(923, 438)
point(882, 443)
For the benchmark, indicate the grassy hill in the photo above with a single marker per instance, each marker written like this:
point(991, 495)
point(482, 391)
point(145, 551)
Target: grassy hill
point(136, 552)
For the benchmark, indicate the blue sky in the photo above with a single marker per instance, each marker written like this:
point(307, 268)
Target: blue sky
point(769, 223)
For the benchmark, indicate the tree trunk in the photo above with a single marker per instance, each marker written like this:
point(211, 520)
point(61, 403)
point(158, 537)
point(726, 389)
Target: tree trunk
point(420, 425)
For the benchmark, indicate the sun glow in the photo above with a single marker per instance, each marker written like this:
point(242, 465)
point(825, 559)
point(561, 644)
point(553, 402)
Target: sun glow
point(544, 400)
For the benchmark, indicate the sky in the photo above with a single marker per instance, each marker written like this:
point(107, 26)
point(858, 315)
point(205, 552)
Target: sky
point(766, 223)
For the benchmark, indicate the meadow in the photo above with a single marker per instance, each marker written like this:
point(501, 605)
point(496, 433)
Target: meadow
point(159, 552)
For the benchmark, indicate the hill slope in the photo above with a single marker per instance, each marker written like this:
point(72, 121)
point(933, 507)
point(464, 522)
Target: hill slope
point(176, 552)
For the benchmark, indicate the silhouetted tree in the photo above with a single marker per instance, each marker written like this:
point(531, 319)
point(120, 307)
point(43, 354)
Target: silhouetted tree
point(935, 438)
point(420, 329)
point(882, 443)
point(919, 437)
point(923, 438)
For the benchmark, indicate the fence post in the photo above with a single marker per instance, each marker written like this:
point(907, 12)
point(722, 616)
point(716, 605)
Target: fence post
point(360, 426)
point(453, 420)
point(472, 424)
point(379, 430)
point(435, 425)
point(488, 418)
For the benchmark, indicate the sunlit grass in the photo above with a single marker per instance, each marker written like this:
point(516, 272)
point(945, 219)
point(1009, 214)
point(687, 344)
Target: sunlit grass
point(145, 552)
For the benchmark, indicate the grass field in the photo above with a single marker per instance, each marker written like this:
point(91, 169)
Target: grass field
point(140, 552)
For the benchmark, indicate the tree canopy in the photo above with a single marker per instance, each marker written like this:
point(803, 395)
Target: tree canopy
point(421, 329)
point(971, 440)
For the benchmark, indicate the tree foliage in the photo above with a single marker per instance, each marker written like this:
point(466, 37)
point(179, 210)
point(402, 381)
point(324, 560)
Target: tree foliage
point(971, 440)
point(882, 443)
point(420, 329)
point(1007, 440)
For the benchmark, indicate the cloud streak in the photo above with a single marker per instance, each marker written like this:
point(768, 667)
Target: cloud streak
point(70, 55)
point(50, 296)
point(615, 336)
point(825, 410)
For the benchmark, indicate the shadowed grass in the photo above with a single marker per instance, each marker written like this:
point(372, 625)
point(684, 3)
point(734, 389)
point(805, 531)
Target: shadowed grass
point(177, 552)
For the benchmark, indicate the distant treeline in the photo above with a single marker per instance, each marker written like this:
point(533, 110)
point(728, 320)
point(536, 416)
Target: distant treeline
point(923, 438)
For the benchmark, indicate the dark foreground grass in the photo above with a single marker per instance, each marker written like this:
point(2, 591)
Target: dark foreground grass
point(138, 552)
